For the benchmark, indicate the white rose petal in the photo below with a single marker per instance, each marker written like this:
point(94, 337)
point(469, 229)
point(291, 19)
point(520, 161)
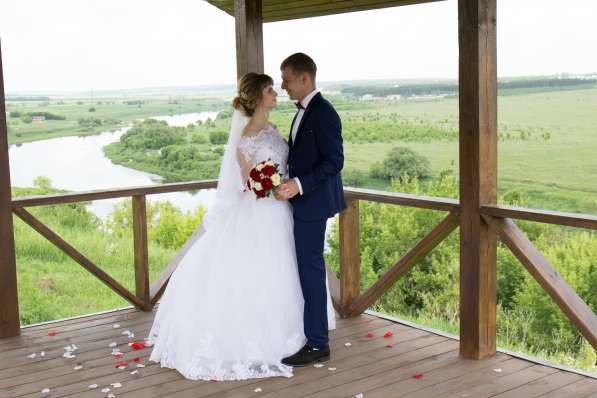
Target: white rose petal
point(105, 390)
point(110, 396)
point(116, 385)
point(42, 354)
point(332, 369)
point(113, 344)
point(92, 386)
point(116, 326)
point(74, 347)
point(347, 344)
point(126, 332)
point(32, 355)
point(78, 367)
point(122, 367)
point(359, 395)
point(134, 372)
point(318, 365)
point(45, 391)
point(258, 389)
point(498, 370)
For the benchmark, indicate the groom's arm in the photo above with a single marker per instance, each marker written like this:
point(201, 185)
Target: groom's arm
point(329, 141)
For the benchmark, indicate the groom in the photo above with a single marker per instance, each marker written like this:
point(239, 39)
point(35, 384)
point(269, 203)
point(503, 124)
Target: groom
point(315, 191)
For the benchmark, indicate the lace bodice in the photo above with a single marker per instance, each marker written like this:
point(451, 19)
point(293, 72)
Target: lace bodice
point(255, 148)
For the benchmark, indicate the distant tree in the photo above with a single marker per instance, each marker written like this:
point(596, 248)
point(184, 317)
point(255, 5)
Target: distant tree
point(399, 162)
point(92, 109)
point(218, 137)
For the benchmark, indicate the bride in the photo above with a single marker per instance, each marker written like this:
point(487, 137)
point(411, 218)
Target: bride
point(234, 306)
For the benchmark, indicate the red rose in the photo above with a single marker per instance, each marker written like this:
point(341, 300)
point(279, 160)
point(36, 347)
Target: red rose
point(255, 175)
point(268, 170)
point(267, 184)
point(138, 345)
point(260, 194)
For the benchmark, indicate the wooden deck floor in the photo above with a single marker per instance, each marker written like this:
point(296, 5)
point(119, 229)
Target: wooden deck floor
point(418, 364)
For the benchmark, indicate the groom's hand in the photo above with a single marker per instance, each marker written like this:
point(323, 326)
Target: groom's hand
point(288, 189)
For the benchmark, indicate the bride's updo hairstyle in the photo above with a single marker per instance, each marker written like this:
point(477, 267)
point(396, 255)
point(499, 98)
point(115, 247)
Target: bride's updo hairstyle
point(250, 87)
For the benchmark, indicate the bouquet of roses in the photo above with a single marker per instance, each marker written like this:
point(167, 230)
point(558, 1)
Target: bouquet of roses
point(264, 178)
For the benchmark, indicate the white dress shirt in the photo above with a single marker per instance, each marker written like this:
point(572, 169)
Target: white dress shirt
point(305, 103)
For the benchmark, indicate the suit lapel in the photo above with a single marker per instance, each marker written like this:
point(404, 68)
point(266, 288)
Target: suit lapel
point(305, 115)
point(290, 141)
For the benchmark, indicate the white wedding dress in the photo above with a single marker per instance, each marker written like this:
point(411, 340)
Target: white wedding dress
point(234, 307)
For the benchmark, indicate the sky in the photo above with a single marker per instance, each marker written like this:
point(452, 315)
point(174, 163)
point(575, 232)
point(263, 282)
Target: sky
point(62, 45)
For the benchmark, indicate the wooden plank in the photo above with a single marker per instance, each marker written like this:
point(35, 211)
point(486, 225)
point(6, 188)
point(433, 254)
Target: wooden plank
point(539, 215)
point(283, 10)
point(141, 251)
point(478, 175)
point(543, 385)
point(249, 36)
point(336, 7)
point(584, 388)
point(389, 278)
point(77, 256)
point(282, 387)
point(153, 375)
point(159, 286)
point(43, 200)
point(482, 386)
point(403, 199)
point(9, 301)
point(552, 282)
point(350, 255)
point(438, 381)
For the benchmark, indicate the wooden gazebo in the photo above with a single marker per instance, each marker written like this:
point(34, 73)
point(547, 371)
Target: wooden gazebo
point(480, 219)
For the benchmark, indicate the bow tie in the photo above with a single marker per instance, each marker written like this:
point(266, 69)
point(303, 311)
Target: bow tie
point(299, 105)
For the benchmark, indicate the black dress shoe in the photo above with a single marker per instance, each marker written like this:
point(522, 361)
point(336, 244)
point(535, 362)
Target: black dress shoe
point(308, 355)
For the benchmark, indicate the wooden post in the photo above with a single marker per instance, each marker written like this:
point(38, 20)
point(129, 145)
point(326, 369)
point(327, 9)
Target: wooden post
point(350, 259)
point(478, 175)
point(9, 301)
point(141, 251)
point(249, 36)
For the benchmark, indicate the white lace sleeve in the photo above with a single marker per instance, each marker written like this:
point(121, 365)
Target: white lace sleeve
point(244, 157)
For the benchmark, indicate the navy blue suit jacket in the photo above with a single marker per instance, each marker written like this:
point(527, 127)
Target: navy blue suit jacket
point(316, 157)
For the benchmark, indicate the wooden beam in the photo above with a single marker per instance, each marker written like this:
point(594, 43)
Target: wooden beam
point(403, 199)
point(249, 36)
point(544, 216)
point(478, 175)
point(565, 297)
point(141, 250)
point(43, 200)
point(73, 253)
point(350, 257)
point(9, 302)
point(428, 243)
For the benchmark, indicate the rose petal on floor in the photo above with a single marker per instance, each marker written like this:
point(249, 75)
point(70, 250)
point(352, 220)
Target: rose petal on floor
point(387, 335)
point(51, 334)
point(418, 376)
point(78, 367)
point(92, 386)
point(45, 391)
point(369, 335)
point(258, 389)
point(348, 344)
point(318, 365)
point(359, 395)
point(134, 372)
point(32, 355)
point(105, 390)
point(332, 369)
point(116, 326)
point(498, 370)
point(112, 344)
point(116, 385)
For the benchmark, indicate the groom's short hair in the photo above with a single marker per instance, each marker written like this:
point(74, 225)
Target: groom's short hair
point(300, 63)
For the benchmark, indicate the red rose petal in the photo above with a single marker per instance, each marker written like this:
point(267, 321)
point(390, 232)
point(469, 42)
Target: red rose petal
point(418, 376)
point(388, 335)
point(137, 345)
point(136, 359)
point(390, 345)
point(117, 356)
point(51, 334)
point(118, 364)
point(369, 335)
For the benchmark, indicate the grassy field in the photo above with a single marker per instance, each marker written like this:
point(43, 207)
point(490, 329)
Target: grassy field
point(559, 173)
point(113, 112)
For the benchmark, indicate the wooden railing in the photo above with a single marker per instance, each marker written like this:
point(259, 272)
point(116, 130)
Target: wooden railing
point(346, 293)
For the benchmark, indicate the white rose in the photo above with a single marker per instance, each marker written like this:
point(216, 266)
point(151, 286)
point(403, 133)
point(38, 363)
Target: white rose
point(260, 167)
point(257, 186)
point(276, 179)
